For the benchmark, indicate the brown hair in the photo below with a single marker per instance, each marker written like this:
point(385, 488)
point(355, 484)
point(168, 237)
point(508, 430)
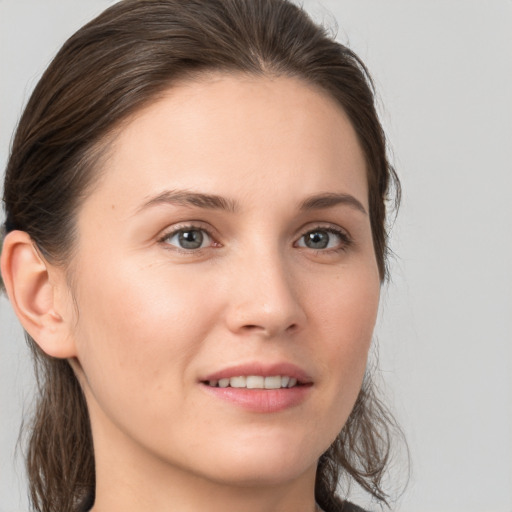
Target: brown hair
point(109, 69)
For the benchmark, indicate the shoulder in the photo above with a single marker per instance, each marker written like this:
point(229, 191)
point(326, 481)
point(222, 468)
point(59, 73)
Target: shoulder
point(339, 505)
point(350, 507)
point(86, 504)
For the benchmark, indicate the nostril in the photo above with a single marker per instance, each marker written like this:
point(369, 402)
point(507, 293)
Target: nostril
point(259, 328)
point(292, 328)
point(253, 327)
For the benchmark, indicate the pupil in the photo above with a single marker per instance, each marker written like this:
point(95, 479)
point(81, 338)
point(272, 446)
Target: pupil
point(191, 239)
point(317, 240)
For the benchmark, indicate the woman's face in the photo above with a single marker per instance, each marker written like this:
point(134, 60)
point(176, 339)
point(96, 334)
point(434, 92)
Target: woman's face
point(228, 237)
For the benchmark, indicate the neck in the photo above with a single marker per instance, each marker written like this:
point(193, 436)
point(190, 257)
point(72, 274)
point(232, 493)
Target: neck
point(167, 489)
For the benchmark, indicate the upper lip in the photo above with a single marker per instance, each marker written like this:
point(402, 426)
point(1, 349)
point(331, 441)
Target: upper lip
point(263, 369)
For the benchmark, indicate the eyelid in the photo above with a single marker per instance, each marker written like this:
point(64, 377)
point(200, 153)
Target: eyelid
point(342, 233)
point(183, 226)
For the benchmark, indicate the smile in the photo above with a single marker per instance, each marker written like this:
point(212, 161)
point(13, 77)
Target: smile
point(260, 387)
point(255, 382)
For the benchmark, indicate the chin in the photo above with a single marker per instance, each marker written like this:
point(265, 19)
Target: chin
point(262, 473)
point(264, 462)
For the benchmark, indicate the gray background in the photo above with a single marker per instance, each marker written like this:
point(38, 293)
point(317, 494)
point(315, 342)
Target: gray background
point(443, 70)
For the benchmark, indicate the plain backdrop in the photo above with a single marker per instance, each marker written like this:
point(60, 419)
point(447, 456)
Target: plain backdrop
point(443, 72)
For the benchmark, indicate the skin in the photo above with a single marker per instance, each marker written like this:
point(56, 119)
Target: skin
point(154, 319)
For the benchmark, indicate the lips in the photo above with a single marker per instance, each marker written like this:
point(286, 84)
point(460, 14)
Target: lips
point(261, 388)
point(260, 370)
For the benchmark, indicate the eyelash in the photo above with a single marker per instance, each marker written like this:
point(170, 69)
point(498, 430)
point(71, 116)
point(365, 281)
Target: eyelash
point(345, 240)
point(169, 234)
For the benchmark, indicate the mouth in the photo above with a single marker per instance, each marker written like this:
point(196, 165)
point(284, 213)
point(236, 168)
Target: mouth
point(259, 387)
point(258, 375)
point(255, 382)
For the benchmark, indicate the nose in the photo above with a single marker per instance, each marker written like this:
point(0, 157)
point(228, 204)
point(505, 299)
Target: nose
point(265, 296)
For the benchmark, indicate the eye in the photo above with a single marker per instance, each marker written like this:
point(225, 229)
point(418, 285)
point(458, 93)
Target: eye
point(188, 238)
point(324, 238)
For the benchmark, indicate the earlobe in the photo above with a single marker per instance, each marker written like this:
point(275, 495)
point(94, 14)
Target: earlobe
point(32, 292)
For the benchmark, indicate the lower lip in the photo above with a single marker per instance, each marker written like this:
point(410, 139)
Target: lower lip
point(261, 400)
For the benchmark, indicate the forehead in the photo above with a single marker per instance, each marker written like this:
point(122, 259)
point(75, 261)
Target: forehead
point(235, 135)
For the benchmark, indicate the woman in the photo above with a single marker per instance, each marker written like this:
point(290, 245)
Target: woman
point(195, 243)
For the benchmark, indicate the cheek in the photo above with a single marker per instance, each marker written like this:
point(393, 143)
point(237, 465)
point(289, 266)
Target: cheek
point(136, 325)
point(346, 318)
point(347, 307)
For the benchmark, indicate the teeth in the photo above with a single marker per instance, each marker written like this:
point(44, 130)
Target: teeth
point(255, 382)
point(223, 383)
point(238, 382)
point(273, 382)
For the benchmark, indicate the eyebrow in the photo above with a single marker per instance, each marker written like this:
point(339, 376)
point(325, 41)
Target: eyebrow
point(188, 198)
point(321, 201)
point(215, 202)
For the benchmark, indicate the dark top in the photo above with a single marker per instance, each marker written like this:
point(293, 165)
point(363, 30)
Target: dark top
point(350, 507)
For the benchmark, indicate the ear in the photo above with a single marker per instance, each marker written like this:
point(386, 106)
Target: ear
point(35, 289)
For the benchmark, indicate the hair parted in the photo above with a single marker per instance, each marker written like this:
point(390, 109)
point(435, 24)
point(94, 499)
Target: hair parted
point(108, 70)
